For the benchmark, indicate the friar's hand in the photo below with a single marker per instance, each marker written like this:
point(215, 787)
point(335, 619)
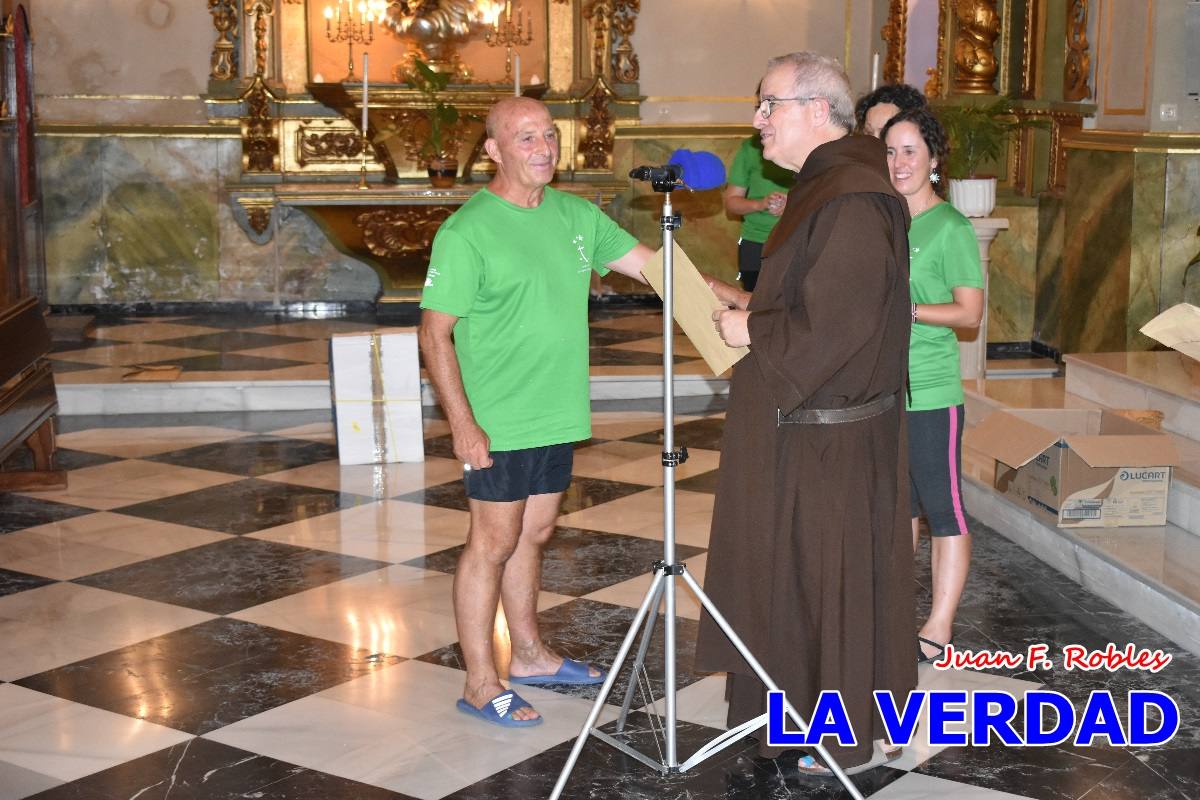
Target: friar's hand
point(726, 293)
point(732, 325)
point(471, 446)
point(776, 202)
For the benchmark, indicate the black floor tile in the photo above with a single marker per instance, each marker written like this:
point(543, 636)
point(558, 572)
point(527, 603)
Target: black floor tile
point(245, 506)
point(22, 458)
point(603, 337)
point(230, 341)
point(587, 492)
point(230, 362)
point(698, 433)
point(18, 512)
point(704, 482)
point(13, 582)
point(251, 455)
point(1061, 772)
point(578, 562)
point(604, 772)
point(230, 575)
point(208, 676)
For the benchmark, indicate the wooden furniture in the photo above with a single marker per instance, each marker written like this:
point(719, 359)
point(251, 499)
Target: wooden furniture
point(28, 402)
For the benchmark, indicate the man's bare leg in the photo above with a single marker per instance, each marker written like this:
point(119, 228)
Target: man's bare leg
point(520, 586)
point(491, 542)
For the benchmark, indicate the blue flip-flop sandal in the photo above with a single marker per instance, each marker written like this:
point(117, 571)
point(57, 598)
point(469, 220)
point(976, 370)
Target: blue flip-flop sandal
point(499, 710)
point(571, 673)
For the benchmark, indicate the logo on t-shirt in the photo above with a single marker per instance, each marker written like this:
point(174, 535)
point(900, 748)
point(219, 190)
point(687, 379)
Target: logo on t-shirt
point(429, 276)
point(585, 264)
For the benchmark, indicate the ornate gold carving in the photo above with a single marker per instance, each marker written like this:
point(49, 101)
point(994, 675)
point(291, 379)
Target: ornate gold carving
point(437, 26)
point(933, 86)
point(597, 143)
point(613, 23)
point(974, 59)
point(224, 54)
point(895, 34)
point(625, 62)
point(1061, 123)
point(258, 210)
point(1029, 39)
point(260, 10)
point(397, 230)
point(260, 129)
point(1079, 60)
point(316, 147)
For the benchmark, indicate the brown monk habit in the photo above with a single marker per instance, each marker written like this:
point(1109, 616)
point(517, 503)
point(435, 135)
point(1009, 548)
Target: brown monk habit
point(811, 555)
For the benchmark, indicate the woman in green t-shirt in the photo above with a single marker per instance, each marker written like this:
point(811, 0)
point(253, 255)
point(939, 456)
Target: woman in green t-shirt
point(946, 285)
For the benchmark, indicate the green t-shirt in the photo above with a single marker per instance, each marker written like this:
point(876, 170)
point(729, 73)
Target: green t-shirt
point(943, 254)
point(759, 177)
point(518, 280)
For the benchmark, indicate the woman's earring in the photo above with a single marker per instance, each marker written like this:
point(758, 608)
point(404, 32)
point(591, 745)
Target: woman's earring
point(934, 177)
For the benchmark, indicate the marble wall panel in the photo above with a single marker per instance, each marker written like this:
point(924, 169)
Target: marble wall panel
point(73, 200)
point(1181, 239)
point(1146, 253)
point(1012, 276)
point(1094, 283)
point(1052, 225)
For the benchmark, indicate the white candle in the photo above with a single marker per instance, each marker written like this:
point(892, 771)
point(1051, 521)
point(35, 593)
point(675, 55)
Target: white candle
point(874, 71)
point(366, 62)
point(516, 74)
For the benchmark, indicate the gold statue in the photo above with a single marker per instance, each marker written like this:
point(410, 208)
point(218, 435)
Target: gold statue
point(974, 61)
point(437, 26)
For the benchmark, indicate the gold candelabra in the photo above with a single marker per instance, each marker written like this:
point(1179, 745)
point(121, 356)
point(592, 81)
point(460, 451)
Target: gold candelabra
point(507, 33)
point(342, 26)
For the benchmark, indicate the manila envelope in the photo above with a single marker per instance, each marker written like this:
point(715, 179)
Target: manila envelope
point(1178, 328)
point(694, 306)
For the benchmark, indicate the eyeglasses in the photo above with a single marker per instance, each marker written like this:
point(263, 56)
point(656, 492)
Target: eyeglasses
point(767, 106)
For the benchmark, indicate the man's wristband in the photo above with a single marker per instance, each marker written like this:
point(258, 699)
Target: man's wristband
point(914, 313)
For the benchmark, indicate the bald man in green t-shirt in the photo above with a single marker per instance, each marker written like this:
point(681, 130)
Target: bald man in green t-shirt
point(504, 333)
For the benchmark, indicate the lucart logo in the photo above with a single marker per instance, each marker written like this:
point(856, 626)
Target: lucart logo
point(583, 259)
point(1144, 475)
point(429, 276)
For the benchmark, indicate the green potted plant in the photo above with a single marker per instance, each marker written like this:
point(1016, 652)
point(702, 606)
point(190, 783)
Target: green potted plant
point(978, 134)
point(439, 150)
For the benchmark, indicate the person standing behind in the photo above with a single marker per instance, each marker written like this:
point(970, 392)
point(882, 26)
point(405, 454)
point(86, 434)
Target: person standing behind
point(946, 283)
point(756, 192)
point(810, 558)
point(873, 110)
point(504, 334)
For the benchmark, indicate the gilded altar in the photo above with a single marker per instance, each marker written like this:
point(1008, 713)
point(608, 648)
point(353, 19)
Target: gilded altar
point(288, 76)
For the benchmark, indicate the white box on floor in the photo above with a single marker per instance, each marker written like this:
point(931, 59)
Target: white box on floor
point(375, 379)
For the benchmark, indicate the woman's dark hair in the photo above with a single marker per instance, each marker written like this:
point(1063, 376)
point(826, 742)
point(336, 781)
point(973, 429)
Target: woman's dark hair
point(934, 135)
point(901, 95)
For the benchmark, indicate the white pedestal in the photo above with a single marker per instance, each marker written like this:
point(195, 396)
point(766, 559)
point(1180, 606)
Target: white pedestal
point(972, 345)
point(376, 384)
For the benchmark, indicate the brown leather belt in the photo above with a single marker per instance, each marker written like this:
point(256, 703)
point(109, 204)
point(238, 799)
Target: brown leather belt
point(834, 416)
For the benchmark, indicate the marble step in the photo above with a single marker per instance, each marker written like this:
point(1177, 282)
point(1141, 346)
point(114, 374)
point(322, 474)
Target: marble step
point(1168, 382)
point(1152, 573)
point(295, 395)
point(1010, 368)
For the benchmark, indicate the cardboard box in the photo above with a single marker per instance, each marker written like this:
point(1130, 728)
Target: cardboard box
point(375, 380)
point(1089, 468)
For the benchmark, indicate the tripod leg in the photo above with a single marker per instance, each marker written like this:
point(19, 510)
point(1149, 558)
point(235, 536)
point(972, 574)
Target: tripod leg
point(740, 646)
point(598, 706)
point(640, 659)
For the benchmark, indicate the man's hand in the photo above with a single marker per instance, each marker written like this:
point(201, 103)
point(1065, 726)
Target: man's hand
point(776, 201)
point(728, 294)
point(471, 445)
point(733, 326)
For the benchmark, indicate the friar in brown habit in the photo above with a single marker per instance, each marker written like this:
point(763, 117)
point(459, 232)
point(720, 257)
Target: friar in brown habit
point(811, 555)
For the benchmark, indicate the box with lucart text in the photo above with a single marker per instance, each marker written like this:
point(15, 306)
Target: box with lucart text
point(1089, 468)
point(375, 380)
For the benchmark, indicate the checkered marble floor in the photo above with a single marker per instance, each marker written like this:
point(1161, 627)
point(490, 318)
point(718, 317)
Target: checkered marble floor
point(263, 346)
point(216, 609)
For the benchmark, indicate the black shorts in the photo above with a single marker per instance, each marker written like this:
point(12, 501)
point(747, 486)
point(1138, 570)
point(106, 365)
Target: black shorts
point(749, 262)
point(517, 474)
point(935, 469)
